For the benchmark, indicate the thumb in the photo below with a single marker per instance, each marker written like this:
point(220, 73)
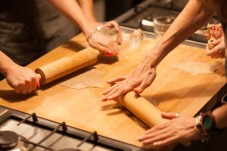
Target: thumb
point(169, 115)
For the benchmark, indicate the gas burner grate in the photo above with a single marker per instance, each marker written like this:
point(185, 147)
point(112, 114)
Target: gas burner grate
point(40, 134)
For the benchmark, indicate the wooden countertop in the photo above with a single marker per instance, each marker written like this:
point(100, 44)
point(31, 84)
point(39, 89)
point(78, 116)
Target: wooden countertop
point(174, 91)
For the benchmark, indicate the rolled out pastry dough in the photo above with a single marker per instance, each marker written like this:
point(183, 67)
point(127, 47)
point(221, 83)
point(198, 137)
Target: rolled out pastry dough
point(91, 78)
point(197, 68)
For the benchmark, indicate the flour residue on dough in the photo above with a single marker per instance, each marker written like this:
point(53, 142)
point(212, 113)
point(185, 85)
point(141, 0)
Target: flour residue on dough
point(197, 68)
point(88, 79)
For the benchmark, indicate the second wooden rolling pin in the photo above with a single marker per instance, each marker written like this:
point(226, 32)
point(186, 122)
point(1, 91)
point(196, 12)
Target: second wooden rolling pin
point(142, 108)
point(67, 65)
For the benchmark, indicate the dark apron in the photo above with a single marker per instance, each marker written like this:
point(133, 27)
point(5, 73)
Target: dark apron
point(30, 28)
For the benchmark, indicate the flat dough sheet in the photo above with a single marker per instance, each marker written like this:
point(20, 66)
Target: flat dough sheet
point(88, 79)
point(197, 68)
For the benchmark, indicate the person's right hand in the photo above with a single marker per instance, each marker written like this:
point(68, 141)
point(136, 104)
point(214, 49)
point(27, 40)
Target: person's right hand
point(23, 80)
point(176, 130)
point(105, 44)
point(136, 81)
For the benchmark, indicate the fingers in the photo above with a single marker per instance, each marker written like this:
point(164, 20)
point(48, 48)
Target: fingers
point(165, 142)
point(112, 24)
point(114, 80)
point(159, 136)
point(170, 115)
point(215, 31)
point(136, 81)
point(114, 92)
point(115, 25)
point(144, 84)
point(27, 86)
point(24, 84)
point(104, 44)
point(119, 89)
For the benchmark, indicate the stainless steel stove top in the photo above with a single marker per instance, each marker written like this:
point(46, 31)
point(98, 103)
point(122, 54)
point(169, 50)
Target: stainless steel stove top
point(37, 134)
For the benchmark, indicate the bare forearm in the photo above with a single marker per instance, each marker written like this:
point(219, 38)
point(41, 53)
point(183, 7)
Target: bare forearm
point(72, 10)
point(5, 63)
point(88, 8)
point(190, 19)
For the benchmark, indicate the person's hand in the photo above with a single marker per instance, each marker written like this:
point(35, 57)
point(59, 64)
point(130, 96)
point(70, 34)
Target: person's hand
point(176, 130)
point(136, 81)
point(23, 80)
point(105, 44)
point(114, 24)
point(216, 48)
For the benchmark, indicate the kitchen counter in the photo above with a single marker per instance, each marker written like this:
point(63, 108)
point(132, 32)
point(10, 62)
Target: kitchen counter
point(173, 90)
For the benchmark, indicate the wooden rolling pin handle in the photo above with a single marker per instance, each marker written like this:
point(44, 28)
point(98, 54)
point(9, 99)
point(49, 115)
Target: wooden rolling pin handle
point(42, 76)
point(67, 65)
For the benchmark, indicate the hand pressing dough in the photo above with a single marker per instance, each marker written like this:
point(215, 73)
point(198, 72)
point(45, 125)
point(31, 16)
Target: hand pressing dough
point(88, 79)
point(197, 68)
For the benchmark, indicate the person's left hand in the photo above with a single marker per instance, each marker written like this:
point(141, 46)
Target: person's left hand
point(176, 130)
point(105, 44)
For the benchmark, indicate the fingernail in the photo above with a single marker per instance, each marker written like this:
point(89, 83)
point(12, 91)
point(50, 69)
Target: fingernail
point(155, 143)
point(38, 85)
point(140, 138)
point(103, 99)
point(109, 53)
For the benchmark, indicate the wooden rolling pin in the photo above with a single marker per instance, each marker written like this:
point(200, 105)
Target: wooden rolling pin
point(67, 65)
point(142, 108)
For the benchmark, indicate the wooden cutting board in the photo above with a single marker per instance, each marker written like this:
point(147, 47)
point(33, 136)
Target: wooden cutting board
point(173, 90)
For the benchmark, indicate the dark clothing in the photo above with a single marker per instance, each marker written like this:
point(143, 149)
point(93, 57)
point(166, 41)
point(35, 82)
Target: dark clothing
point(119, 6)
point(224, 26)
point(30, 28)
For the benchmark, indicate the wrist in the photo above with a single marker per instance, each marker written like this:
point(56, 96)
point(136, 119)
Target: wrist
point(206, 125)
point(199, 122)
point(92, 31)
point(6, 68)
point(150, 61)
